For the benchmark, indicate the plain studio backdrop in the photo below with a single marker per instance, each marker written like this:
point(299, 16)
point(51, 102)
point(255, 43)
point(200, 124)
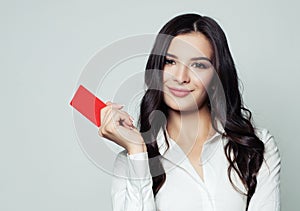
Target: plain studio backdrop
point(44, 48)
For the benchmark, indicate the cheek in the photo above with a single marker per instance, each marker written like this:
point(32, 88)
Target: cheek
point(202, 79)
point(166, 75)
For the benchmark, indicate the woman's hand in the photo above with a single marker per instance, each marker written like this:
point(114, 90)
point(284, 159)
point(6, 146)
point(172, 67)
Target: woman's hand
point(117, 126)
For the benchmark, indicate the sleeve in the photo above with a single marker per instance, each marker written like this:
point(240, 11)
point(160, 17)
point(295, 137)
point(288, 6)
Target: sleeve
point(132, 183)
point(267, 194)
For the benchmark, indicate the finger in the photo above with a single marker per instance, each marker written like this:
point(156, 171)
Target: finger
point(106, 117)
point(121, 118)
point(131, 118)
point(124, 122)
point(134, 128)
point(113, 119)
point(128, 120)
point(117, 106)
point(104, 114)
point(99, 131)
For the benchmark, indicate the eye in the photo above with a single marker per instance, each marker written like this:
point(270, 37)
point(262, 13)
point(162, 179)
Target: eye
point(201, 65)
point(169, 61)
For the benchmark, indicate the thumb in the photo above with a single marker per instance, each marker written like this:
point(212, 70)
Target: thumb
point(114, 105)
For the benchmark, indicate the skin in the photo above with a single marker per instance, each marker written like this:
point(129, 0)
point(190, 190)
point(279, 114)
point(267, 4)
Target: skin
point(189, 121)
point(123, 134)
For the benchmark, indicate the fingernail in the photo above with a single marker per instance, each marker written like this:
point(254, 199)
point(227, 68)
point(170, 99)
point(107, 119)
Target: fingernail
point(131, 118)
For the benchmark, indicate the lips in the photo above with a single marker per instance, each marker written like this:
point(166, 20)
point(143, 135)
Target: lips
point(179, 92)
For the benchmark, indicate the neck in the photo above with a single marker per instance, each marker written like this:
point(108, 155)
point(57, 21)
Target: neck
point(189, 129)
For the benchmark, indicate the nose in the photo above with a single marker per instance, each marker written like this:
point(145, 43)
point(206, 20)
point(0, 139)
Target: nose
point(182, 74)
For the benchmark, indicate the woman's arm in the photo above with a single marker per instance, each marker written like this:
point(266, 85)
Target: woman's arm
point(267, 194)
point(132, 183)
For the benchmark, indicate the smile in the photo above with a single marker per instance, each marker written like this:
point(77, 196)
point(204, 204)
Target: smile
point(179, 92)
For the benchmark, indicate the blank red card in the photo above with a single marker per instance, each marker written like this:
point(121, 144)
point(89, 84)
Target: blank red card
point(88, 105)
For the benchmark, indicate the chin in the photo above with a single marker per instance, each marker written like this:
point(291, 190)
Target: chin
point(183, 107)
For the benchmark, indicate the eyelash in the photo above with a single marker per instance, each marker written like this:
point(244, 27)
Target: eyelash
point(196, 64)
point(169, 61)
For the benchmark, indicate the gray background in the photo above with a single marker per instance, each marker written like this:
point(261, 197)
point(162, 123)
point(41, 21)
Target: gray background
point(44, 45)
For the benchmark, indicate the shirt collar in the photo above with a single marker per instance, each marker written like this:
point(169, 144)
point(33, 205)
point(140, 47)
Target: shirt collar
point(176, 154)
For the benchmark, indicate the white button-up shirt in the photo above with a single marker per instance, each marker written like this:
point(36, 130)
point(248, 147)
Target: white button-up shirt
point(184, 190)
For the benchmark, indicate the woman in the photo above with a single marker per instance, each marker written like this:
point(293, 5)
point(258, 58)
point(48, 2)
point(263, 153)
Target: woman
point(197, 148)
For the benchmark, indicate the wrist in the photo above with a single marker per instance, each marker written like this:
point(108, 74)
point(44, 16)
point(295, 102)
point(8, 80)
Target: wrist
point(137, 149)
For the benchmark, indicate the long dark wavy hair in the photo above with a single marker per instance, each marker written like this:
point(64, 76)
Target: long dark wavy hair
point(244, 150)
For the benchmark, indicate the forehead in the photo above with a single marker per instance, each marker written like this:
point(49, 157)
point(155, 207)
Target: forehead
point(191, 45)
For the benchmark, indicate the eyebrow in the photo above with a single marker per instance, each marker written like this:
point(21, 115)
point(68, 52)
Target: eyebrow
point(192, 59)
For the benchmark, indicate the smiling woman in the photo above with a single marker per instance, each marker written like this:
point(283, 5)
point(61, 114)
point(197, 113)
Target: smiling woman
point(196, 147)
point(187, 72)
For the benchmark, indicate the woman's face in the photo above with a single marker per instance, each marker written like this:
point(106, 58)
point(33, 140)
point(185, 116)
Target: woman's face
point(187, 72)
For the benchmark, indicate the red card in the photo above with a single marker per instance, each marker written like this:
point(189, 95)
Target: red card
point(88, 105)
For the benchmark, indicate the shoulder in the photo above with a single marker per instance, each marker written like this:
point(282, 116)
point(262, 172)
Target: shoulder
point(268, 139)
point(263, 134)
point(272, 158)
